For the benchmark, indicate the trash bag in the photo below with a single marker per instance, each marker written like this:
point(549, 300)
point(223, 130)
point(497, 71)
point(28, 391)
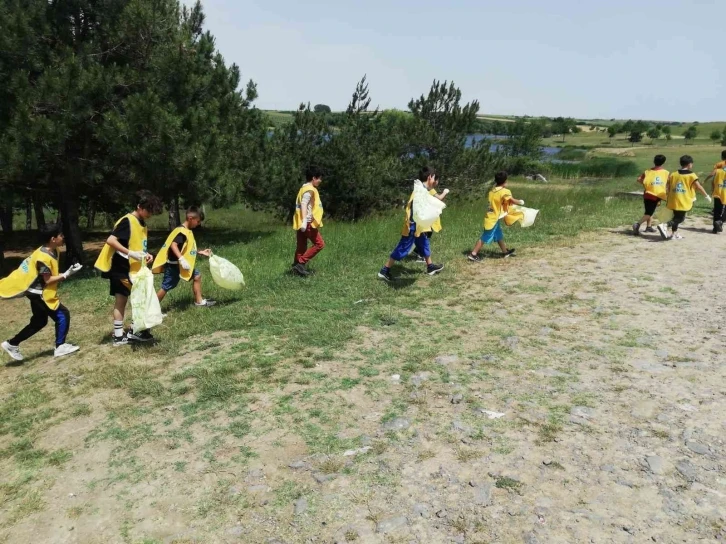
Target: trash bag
point(145, 307)
point(225, 274)
point(663, 214)
point(529, 215)
point(426, 208)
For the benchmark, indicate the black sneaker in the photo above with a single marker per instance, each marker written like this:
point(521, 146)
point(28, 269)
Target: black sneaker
point(718, 226)
point(649, 229)
point(141, 336)
point(473, 258)
point(385, 275)
point(434, 269)
point(510, 253)
point(120, 340)
point(636, 228)
point(300, 270)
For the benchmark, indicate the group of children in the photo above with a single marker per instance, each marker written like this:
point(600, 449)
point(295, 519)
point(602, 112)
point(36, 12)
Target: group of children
point(126, 252)
point(123, 255)
point(678, 191)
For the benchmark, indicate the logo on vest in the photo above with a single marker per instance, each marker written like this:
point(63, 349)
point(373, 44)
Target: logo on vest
point(25, 266)
point(680, 188)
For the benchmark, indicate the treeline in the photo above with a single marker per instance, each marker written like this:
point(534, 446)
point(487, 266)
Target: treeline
point(101, 98)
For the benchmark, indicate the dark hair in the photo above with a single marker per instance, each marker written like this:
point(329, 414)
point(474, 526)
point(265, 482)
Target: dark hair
point(313, 171)
point(49, 231)
point(195, 211)
point(723, 155)
point(149, 202)
point(500, 178)
point(686, 160)
point(425, 173)
point(659, 160)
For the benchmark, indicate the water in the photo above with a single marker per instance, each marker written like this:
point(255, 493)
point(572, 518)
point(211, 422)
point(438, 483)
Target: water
point(473, 139)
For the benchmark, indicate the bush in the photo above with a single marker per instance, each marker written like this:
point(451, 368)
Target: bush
point(605, 167)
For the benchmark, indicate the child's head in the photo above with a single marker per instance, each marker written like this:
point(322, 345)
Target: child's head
point(427, 175)
point(314, 175)
point(686, 162)
point(52, 236)
point(194, 217)
point(723, 155)
point(500, 178)
point(147, 204)
point(659, 160)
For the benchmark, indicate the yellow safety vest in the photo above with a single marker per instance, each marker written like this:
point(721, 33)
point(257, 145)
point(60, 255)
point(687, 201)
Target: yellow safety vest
point(17, 283)
point(137, 242)
point(719, 184)
point(317, 206)
point(406, 230)
point(654, 183)
point(680, 191)
point(188, 251)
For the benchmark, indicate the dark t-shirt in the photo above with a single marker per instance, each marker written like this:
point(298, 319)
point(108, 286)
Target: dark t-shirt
point(120, 265)
point(180, 239)
point(39, 283)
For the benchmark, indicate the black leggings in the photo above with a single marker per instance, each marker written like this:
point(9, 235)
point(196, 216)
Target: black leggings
point(679, 217)
point(719, 210)
point(41, 313)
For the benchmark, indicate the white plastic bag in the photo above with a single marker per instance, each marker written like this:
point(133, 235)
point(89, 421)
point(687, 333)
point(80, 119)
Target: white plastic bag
point(225, 274)
point(530, 214)
point(145, 307)
point(426, 208)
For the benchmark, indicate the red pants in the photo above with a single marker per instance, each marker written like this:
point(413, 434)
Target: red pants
point(302, 253)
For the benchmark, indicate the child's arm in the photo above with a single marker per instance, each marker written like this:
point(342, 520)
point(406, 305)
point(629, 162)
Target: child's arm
point(702, 190)
point(513, 200)
point(641, 178)
point(304, 209)
point(137, 255)
point(442, 195)
point(205, 252)
point(710, 176)
point(50, 280)
point(174, 248)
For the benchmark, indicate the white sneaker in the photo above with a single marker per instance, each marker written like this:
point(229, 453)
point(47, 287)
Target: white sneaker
point(663, 230)
point(65, 349)
point(205, 303)
point(677, 237)
point(13, 351)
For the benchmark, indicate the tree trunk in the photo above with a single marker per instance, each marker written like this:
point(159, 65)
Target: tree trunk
point(174, 220)
point(91, 215)
point(2, 255)
point(28, 214)
point(69, 217)
point(6, 219)
point(39, 214)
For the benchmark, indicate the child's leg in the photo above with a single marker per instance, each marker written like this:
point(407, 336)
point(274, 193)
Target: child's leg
point(402, 249)
point(502, 245)
point(318, 245)
point(678, 218)
point(62, 318)
point(718, 210)
point(38, 320)
point(170, 281)
point(477, 247)
point(423, 247)
point(301, 244)
point(119, 309)
point(197, 286)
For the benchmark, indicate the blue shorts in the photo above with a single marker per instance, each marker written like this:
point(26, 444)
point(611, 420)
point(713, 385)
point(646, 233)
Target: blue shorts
point(421, 242)
point(172, 276)
point(494, 234)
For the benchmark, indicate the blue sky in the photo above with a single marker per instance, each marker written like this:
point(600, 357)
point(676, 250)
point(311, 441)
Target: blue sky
point(661, 60)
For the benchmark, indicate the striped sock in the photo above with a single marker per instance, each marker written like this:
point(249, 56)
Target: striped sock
point(118, 328)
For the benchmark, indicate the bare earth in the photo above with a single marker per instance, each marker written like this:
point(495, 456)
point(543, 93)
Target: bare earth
point(606, 360)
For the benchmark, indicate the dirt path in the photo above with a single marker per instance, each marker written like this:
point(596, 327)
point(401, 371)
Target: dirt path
point(574, 395)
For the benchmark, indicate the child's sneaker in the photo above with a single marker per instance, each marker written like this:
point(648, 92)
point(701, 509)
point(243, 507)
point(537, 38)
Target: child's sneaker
point(13, 351)
point(65, 349)
point(141, 336)
point(649, 229)
point(510, 253)
point(205, 303)
point(676, 236)
point(120, 340)
point(717, 226)
point(473, 258)
point(663, 230)
point(385, 275)
point(300, 270)
point(434, 269)
point(636, 228)
point(420, 258)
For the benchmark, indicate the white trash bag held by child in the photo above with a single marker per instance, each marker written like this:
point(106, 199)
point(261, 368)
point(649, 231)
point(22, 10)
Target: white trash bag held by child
point(225, 274)
point(426, 208)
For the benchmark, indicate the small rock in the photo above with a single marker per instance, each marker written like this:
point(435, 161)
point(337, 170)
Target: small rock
point(418, 379)
point(531, 538)
point(575, 420)
point(71, 495)
point(582, 411)
point(655, 464)
point(489, 413)
point(545, 331)
point(442, 514)
point(322, 478)
point(629, 530)
point(237, 530)
point(301, 505)
point(488, 358)
point(511, 342)
point(457, 425)
point(456, 399)
point(567, 208)
point(350, 453)
point(446, 359)
point(547, 462)
point(483, 495)
point(397, 424)
point(257, 488)
point(396, 378)
point(696, 447)
point(421, 511)
point(687, 470)
point(662, 353)
point(391, 524)
point(297, 465)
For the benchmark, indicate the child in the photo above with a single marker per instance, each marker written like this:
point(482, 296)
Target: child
point(654, 182)
point(307, 221)
point(410, 235)
point(123, 255)
point(680, 188)
point(719, 193)
point(183, 248)
point(37, 278)
point(500, 198)
point(436, 227)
